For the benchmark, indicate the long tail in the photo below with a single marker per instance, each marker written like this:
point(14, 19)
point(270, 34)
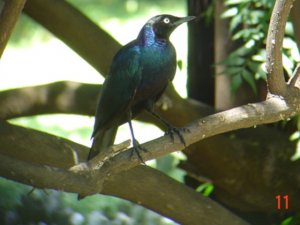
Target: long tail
point(101, 141)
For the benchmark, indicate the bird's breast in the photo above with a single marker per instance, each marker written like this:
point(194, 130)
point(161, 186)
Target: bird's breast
point(159, 66)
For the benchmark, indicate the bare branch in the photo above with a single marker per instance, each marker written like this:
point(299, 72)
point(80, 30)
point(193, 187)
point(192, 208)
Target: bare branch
point(8, 18)
point(58, 97)
point(52, 172)
point(275, 78)
point(294, 80)
point(91, 42)
point(272, 110)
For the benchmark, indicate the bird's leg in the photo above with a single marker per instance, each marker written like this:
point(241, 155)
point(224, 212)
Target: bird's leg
point(171, 130)
point(136, 146)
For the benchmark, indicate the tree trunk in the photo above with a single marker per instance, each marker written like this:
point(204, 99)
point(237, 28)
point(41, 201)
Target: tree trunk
point(200, 82)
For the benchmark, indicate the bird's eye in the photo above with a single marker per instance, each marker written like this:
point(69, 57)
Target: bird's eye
point(166, 20)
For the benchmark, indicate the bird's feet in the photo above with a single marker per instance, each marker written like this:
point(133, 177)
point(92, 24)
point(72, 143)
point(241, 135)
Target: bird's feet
point(136, 149)
point(178, 131)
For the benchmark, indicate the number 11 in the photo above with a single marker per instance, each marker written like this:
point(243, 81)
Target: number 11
point(286, 200)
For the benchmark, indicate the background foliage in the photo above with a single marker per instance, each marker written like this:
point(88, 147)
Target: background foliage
point(248, 23)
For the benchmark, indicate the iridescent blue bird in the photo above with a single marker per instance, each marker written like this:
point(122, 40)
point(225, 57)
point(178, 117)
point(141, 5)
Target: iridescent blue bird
point(139, 73)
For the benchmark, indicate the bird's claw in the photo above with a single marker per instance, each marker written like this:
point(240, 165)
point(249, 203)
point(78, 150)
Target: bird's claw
point(136, 149)
point(174, 130)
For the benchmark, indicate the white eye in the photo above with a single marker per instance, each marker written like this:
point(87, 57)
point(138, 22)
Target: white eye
point(166, 20)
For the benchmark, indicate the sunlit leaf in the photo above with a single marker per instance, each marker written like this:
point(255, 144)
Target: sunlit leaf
point(236, 21)
point(288, 65)
point(295, 136)
point(234, 2)
point(230, 12)
point(206, 189)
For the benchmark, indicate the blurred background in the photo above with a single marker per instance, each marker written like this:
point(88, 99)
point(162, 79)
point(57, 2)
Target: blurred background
point(42, 58)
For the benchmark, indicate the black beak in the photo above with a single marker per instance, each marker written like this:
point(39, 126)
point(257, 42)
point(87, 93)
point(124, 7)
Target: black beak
point(183, 20)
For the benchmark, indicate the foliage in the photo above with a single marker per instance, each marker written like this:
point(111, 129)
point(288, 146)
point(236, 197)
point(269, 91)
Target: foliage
point(19, 205)
point(206, 189)
point(248, 25)
point(292, 220)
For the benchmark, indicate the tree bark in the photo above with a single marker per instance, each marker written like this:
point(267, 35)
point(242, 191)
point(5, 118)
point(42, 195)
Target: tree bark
point(200, 83)
point(24, 161)
point(9, 14)
point(76, 30)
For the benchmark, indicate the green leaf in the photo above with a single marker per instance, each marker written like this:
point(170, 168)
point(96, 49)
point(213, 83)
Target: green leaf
point(243, 51)
point(232, 70)
point(235, 22)
point(295, 136)
point(249, 78)
point(235, 2)
point(255, 16)
point(230, 12)
point(260, 73)
point(236, 83)
point(288, 65)
point(206, 189)
point(233, 60)
point(260, 56)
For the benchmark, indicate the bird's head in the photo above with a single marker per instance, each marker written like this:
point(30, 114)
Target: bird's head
point(164, 25)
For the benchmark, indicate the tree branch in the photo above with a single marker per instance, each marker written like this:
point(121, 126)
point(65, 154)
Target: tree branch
point(275, 78)
point(8, 18)
point(59, 97)
point(63, 20)
point(272, 110)
point(294, 80)
point(52, 172)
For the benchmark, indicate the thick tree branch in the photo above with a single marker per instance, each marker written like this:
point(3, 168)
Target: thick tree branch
point(275, 78)
point(76, 30)
point(59, 97)
point(8, 18)
point(52, 172)
point(272, 110)
point(294, 80)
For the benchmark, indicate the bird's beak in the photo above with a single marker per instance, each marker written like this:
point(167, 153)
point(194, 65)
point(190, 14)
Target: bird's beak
point(183, 20)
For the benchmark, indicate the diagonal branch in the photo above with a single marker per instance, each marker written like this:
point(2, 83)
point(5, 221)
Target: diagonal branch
point(52, 172)
point(64, 21)
point(294, 79)
point(272, 110)
point(8, 18)
point(275, 78)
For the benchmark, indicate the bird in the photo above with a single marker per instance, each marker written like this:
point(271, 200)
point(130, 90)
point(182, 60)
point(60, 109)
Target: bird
point(139, 73)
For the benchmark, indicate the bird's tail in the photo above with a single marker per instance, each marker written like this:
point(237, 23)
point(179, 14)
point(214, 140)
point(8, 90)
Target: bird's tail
point(101, 141)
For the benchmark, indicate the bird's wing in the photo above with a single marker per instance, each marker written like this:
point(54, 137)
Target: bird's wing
point(119, 87)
